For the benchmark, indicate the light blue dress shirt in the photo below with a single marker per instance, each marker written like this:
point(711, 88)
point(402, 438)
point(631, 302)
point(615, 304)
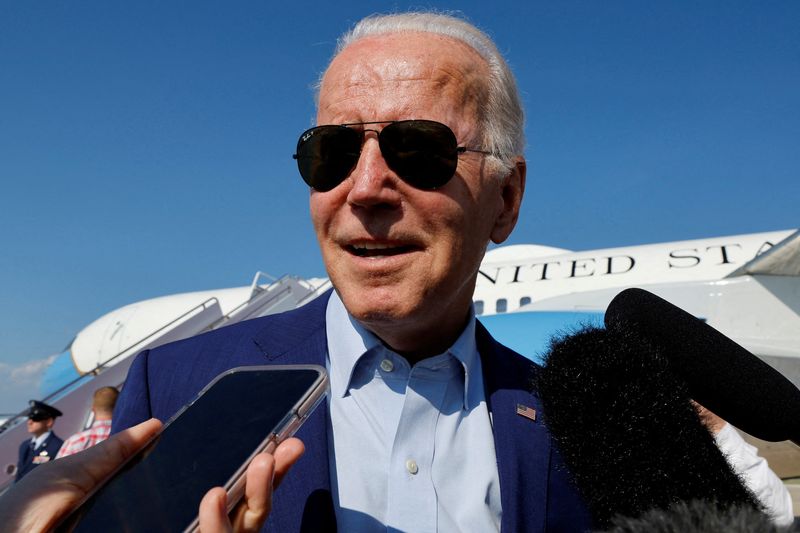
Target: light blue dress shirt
point(412, 447)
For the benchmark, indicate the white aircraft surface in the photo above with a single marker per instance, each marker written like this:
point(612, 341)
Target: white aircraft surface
point(746, 286)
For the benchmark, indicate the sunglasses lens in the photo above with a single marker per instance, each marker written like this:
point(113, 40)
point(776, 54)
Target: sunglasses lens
point(326, 155)
point(422, 152)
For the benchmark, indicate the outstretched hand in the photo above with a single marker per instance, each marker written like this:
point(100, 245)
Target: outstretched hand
point(46, 495)
point(50, 492)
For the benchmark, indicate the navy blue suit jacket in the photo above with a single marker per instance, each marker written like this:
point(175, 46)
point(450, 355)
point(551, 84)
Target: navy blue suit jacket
point(48, 449)
point(536, 494)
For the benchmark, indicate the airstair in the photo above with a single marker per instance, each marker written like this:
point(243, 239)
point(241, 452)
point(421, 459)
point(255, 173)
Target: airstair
point(268, 295)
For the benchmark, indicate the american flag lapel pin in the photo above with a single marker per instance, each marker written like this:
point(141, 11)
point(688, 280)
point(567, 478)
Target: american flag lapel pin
point(527, 412)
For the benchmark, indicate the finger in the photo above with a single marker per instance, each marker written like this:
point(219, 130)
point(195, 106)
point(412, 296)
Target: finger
point(214, 512)
point(286, 455)
point(253, 510)
point(88, 468)
point(251, 513)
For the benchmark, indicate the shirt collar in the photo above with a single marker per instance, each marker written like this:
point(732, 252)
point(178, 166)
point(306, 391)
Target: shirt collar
point(349, 341)
point(37, 441)
point(465, 350)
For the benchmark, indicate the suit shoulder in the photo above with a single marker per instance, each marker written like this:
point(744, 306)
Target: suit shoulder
point(163, 379)
point(281, 328)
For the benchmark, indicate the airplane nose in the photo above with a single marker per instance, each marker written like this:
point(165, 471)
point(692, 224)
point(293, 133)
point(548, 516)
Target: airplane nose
point(60, 372)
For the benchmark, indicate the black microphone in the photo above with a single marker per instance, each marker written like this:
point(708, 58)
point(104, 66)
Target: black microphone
point(627, 430)
point(720, 374)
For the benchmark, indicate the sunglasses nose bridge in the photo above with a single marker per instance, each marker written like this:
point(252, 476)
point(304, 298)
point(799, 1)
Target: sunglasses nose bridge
point(367, 148)
point(373, 182)
point(371, 160)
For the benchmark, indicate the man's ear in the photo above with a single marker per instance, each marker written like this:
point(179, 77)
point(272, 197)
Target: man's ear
point(513, 187)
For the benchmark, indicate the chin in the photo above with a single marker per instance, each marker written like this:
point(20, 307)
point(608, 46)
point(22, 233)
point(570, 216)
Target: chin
point(370, 309)
point(378, 304)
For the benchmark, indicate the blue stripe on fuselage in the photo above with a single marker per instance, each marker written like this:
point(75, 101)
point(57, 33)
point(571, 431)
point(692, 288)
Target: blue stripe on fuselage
point(60, 372)
point(530, 332)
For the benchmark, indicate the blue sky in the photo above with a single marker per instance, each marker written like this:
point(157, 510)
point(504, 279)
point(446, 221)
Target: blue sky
point(145, 146)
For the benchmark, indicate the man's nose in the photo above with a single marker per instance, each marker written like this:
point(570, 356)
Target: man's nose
point(373, 182)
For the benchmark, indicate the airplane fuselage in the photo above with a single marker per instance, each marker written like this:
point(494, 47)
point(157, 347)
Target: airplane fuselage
point(513, 276)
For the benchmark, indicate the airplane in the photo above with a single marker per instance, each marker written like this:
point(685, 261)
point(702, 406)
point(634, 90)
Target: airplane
point(746, 286)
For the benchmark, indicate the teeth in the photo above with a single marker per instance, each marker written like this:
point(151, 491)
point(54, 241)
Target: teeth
point(377, 250)
point(372, 246)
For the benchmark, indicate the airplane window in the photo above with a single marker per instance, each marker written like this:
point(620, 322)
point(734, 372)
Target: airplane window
point(478, 307)
point(502, 305)
point(525, 300)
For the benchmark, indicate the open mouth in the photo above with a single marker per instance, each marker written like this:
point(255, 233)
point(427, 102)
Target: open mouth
point(377, 250)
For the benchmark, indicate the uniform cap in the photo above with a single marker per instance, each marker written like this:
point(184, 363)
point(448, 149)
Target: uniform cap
point(41, 411)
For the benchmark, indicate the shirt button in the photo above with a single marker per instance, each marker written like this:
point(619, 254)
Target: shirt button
point(411, 466)
point(387, 365)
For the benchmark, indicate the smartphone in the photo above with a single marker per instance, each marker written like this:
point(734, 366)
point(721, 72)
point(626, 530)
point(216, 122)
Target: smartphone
point(208, 443)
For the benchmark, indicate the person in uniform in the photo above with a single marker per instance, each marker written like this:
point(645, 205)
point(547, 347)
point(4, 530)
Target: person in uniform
point(44, 444)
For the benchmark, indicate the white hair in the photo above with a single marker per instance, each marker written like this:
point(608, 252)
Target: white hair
point(501, 117)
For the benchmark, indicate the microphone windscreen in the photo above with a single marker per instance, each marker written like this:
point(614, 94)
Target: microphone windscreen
point(721, 375)
point(627, 430)
point(697, 516)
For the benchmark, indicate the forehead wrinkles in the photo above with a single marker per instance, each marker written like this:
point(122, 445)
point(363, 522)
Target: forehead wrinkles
point(405, 66)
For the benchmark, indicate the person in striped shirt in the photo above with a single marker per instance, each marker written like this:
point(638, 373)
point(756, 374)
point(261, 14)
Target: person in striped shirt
point(103, 407)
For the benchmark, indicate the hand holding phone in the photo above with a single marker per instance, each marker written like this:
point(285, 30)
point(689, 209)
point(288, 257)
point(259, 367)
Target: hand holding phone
point(263, 476)
point(210, 442)
point(51, 492)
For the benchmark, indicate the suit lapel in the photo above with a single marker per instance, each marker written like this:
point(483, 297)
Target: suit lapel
point(522, 445)
point(300, 338)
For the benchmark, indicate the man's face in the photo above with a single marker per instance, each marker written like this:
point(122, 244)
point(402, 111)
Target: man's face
point(39, 427)
point(404, 260)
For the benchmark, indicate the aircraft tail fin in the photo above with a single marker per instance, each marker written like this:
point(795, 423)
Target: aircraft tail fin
point(783, 259)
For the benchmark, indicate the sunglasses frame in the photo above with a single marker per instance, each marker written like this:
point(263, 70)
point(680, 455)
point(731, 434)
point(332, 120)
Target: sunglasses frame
point(410, 179)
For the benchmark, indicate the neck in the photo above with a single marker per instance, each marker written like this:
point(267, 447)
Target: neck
point(416, 354)
point(417, 345)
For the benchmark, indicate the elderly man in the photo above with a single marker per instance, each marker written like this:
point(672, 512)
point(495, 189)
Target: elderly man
point(415, 166)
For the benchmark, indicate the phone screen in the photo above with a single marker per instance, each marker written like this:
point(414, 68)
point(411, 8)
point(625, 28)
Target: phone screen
point(161, 489)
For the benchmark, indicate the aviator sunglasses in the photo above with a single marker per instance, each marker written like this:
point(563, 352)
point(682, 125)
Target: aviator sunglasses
point(424, 153)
